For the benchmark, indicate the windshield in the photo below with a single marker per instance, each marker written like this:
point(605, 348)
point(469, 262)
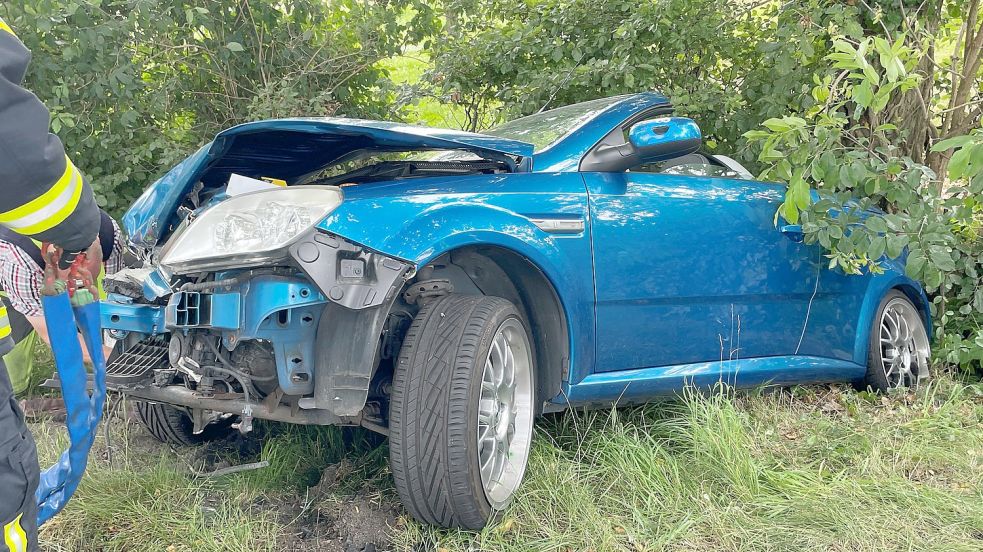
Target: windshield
point(543, 129)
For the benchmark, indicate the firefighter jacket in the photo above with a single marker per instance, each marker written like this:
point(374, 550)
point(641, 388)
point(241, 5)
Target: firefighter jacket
point(44, 196)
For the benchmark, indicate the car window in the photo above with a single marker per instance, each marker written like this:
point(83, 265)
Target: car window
point(690, 165)
point(544, 129)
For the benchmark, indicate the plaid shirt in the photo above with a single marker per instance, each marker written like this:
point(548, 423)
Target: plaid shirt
point(23, 279)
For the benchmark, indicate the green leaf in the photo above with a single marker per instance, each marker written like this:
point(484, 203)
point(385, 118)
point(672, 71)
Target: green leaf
point(753, 135)
point(858, 172)
point(942, 259)
point(959, 163)
point(881, 98)
point(234, 47)
point(800, 192)
point(876, 224)
point(877, 246)
point(916, 264)
point(777, 125)
point(863, 94)
point(954, 142)
point(789, 212)
point(895, 245)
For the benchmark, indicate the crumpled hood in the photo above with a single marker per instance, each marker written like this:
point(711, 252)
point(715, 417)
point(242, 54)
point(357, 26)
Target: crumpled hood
point(289, 149)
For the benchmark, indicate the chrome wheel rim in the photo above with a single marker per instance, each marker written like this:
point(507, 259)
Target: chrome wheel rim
point(904, 344)
point(505, 413)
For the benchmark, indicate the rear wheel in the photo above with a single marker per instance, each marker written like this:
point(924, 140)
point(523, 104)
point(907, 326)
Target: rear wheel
point(170, 424)
point(899, 348)
point(462, 410)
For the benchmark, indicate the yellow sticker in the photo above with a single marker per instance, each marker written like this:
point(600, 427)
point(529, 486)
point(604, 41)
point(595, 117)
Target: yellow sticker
point(277, 181)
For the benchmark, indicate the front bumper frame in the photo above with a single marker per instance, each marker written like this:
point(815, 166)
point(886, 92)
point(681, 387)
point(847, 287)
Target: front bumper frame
point(325, 332)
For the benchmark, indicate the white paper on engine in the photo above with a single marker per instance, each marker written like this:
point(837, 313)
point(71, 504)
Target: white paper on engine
point(239, 185)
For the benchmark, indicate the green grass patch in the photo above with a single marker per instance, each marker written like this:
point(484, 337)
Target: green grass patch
point(813, 469)
point(818, 468)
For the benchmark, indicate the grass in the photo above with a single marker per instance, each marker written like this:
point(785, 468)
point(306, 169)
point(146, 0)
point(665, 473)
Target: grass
point(819, 468)
point(810, 470)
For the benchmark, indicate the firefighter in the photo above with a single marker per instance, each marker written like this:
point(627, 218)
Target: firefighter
point(21, 280)
point(45, 198)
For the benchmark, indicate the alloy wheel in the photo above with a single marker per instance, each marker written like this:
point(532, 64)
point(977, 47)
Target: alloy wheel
point(904, 344)
point(505, 413)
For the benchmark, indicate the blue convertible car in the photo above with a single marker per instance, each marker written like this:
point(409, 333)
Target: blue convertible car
point(444, 288)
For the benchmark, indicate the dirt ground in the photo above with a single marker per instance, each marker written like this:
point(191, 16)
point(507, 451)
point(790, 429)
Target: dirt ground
point(322, 521)
point(328, 516)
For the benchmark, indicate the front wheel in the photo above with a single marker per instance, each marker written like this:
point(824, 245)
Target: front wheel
point(899, 348)
point(462, 410)
point(173, 425)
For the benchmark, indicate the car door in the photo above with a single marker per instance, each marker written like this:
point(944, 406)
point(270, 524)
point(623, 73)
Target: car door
point(690, 269)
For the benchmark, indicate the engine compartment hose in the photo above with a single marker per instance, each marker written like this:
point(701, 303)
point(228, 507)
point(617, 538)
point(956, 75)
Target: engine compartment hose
point(84, 409)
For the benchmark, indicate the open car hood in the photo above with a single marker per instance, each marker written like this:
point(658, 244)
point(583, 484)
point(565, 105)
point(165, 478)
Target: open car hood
point(290, 149)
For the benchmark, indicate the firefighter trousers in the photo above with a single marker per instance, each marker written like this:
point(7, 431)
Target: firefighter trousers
point(19, 474)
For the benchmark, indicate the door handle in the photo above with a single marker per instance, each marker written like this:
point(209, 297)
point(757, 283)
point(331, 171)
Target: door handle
point(792, 232)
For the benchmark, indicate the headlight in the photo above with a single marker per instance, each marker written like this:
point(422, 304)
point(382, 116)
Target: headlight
point(249, 229)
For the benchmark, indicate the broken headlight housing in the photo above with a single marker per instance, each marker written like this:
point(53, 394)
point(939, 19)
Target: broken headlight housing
point(248, 230)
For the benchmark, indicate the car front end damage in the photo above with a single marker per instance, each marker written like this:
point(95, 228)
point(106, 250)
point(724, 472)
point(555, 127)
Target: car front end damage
point(406, 307)
point(293, 336)
point(245, 304)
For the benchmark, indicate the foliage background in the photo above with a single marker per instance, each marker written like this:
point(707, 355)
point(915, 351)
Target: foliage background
point(872, 99)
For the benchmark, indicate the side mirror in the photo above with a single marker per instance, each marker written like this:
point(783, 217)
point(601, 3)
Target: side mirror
point(665, 138)
point(648, 141)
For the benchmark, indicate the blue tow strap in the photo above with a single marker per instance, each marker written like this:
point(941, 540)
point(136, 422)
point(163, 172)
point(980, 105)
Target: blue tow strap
point(84, 410)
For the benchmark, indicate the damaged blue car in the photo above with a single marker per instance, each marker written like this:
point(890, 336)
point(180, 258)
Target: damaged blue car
point(445, 288)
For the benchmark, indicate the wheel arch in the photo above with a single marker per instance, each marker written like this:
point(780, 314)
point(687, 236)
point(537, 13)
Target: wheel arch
point(503, 272)
point(917, 296)
point(879, 287)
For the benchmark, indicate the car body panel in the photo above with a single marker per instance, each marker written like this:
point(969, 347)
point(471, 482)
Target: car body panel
point(692, 269)
point(427, 218)
point(147, 218)
point(630, 386)
point(122, 315)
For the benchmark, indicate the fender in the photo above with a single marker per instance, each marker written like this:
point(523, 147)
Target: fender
point(877, 286)
point(432, 218)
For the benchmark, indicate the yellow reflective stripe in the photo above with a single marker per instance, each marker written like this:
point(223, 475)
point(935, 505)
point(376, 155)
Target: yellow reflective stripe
point(4, 323)
point(50, 208)
point(5, 27)
point(14, 535)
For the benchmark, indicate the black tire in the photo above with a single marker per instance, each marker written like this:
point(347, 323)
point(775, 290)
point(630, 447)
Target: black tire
point(876, 378)
point(170, 424)
point(433, 412)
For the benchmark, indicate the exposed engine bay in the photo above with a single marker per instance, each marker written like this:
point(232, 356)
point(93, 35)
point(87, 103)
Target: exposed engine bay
point(365, 168)
point(398, 170)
